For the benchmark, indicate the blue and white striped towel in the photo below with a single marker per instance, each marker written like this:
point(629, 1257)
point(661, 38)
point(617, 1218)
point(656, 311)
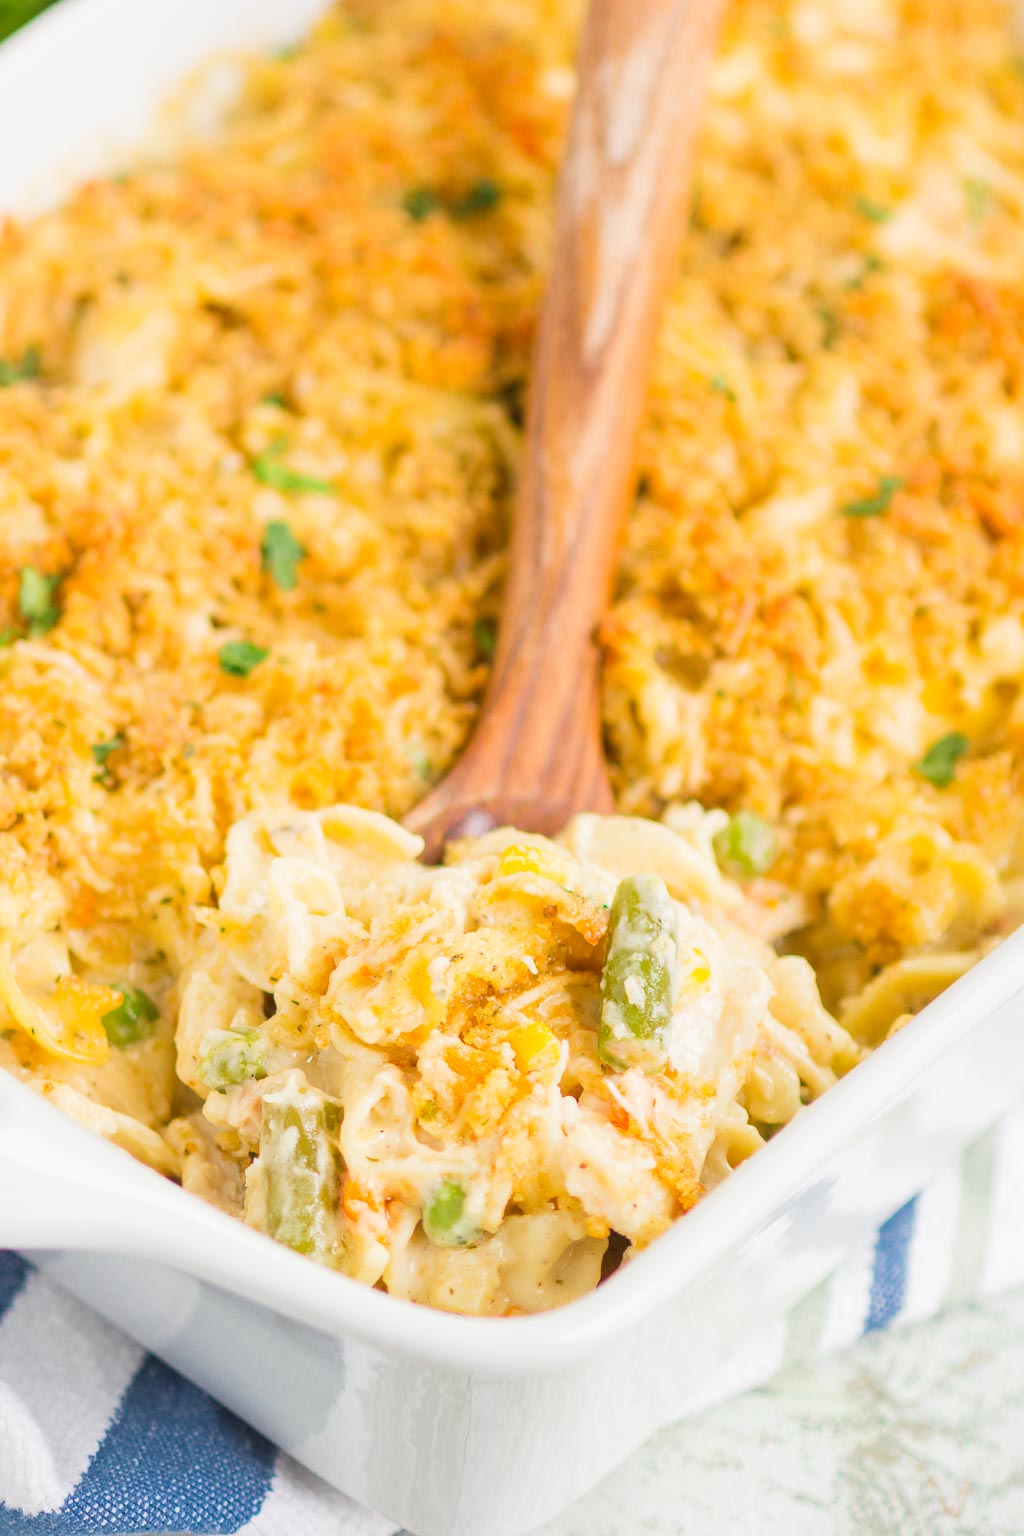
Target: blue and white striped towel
point(97, 1436)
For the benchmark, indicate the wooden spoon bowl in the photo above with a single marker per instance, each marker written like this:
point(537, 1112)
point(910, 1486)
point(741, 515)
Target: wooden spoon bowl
point(536, 756)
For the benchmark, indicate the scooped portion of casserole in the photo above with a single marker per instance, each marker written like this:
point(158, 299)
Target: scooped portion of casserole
point(261, 399)
point(461, 1081)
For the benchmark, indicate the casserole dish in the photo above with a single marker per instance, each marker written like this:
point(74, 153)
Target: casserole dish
point(442, 1423)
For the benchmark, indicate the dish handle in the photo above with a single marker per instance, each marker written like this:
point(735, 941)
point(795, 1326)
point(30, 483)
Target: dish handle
point(62, 1186)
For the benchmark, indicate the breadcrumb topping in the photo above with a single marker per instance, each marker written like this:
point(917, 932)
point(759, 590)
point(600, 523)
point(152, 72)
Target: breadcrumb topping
point(260, 408)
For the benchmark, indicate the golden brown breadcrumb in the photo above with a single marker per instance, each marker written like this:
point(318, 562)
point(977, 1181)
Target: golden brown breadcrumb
point(322, 319)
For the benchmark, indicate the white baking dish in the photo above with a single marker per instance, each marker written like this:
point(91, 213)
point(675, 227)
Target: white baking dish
point(445, 1424)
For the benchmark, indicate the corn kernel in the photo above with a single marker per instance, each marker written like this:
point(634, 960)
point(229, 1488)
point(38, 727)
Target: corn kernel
point(530, 1042)
point(694, 973)
point(521, 859)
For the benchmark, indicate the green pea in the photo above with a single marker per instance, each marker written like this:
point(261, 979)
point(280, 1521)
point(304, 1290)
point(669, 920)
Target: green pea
point(133, 1018)
point(445, 1220)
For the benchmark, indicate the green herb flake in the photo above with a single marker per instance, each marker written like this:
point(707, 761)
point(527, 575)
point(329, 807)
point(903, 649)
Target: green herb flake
point(271, 470)
point(101, 750)
point(938, 765)
point(18, 370)
point(280, 553)
point(829, 325)
point(36, 605)
point(874, 506)
point(275, 397)
point(420, 202)
point(240, 657)
point(483, 196)
point(870, 266)
point(486, 638)
point(878, 213)
point(132, 1020)
point(8, 635)
point(721, 386)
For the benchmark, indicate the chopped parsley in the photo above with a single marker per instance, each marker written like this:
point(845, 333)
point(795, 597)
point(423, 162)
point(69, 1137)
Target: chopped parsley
point(721, 386)
point(871, 264)
point(874, 506)
point(938, 765)
point(486, 638)
point(240, 657)
point(878, 213)
point(481, 197)
point(36, 605)
point(270, 469)
point(101, 750)
point(101, 753)
point(280, 553)
point(132, 1020)
point(16, 371)
point(420, 202)
point(830, 326)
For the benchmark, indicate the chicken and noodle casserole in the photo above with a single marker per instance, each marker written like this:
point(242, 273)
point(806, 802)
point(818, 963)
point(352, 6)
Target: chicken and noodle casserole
point(261, 400)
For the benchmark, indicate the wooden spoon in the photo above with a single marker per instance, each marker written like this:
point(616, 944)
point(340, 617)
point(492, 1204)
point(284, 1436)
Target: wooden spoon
point(536, 755)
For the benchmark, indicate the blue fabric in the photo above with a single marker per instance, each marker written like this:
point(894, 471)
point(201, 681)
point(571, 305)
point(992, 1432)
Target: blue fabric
point(889, 1276)
point(172, 1460)
point(12, 1277)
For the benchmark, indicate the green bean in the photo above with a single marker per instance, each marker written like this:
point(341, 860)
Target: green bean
point(301, 1168)
point(232, 1056)
point(640, 977)
point(445, 1220)
point(746, 847)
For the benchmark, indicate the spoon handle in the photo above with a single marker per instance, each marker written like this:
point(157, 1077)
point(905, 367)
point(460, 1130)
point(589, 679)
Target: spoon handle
point(536, 756)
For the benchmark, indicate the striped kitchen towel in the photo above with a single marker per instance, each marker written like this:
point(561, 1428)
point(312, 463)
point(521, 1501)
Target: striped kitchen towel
point(98, 1436)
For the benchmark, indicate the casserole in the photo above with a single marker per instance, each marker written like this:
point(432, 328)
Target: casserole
point(452, 1425)
point(566, 1399)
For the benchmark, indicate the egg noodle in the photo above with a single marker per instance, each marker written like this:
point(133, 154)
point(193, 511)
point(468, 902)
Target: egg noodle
point(261, 402)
